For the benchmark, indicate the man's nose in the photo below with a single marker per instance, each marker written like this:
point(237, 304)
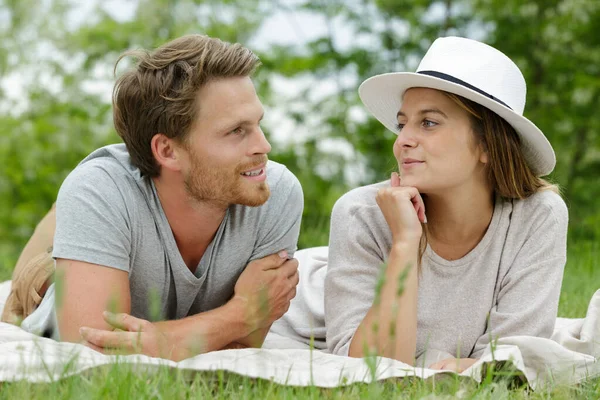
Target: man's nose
point(260, 143)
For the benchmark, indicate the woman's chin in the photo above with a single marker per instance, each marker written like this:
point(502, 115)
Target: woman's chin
point(417, 184)
point(410, 182)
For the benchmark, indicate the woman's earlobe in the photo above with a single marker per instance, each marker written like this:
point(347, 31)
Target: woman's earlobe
point(484, 158)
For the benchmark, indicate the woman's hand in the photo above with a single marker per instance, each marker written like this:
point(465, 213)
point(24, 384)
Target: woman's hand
point(454, 364)
point(403, 209)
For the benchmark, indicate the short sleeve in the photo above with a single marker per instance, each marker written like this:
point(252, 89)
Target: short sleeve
point(280, 222)
point(92, 221)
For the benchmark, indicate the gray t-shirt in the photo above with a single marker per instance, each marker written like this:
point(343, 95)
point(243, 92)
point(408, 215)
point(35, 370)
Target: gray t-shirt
point(108, 214)
point(513, 275)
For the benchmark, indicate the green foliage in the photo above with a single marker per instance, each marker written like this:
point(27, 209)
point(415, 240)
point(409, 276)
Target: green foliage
point(63, 122)
point(556, 45)
point(553, 42)
point(57, 119)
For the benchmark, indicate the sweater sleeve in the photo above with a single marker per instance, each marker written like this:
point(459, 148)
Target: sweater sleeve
point(527, 301)
point(356, 255)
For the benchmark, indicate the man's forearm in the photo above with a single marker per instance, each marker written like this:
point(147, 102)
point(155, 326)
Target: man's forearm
point(255, 339)
point(208, 331)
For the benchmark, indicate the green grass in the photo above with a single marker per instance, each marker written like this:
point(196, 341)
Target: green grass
point(123, 382)
point(581, 280)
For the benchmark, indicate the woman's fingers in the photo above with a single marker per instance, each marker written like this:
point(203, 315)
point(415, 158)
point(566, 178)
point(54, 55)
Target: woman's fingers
point(421, 213)
point(454, 364)
point(438, 365)
point(418, 204)
point(416, 198)
point(395, 181)
point(403, 210)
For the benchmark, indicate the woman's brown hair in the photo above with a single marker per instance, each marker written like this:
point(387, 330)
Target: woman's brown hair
point(508, 172)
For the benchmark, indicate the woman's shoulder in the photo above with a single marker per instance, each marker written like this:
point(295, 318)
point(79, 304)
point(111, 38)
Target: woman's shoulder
point(357, 220)
point(543, 203)
point(359, 199)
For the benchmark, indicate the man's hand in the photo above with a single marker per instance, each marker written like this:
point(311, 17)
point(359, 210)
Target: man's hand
point(454, 364)
point(265, 289)
point(267, 286)
point(132, 336)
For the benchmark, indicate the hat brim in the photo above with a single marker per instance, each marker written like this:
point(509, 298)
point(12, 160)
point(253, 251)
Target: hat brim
point(382, 96)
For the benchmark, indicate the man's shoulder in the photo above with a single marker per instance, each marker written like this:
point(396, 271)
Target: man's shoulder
point(272, 226)
point(104, 177)
point(283, 185)
point(105, 168)
point(279, 177)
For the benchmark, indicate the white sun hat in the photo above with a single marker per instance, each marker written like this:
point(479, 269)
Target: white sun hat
point(470, 69)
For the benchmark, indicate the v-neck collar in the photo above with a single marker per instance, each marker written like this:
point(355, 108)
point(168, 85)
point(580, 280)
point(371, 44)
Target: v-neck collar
point(177, 262)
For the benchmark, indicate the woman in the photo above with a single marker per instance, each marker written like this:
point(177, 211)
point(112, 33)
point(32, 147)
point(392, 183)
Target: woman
point(33, 272)
point(467, 243)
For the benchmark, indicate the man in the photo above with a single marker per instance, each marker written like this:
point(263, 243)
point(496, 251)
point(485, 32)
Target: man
point(186, 223)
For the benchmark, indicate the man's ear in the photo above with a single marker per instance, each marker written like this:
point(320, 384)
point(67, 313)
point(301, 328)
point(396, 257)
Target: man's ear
point(166, 152)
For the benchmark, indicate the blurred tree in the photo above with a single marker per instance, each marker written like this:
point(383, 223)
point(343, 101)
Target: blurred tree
point(557, 46)
point(362, 38)
point(553, 42)
point(57, 52)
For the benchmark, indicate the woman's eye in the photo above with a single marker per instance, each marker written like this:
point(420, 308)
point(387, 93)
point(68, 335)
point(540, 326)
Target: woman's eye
point(399, 126)
point(237, 131)
point(428, 124)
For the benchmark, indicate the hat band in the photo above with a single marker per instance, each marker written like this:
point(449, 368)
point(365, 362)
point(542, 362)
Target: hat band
point(452, 79)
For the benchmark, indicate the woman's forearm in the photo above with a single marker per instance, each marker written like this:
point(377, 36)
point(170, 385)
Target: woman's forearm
point(390, 327)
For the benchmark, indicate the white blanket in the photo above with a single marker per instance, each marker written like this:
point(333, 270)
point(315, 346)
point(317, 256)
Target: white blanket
point(571, 355)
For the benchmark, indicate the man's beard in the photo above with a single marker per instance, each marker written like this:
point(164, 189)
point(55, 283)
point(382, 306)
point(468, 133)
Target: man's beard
point(225, 187)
